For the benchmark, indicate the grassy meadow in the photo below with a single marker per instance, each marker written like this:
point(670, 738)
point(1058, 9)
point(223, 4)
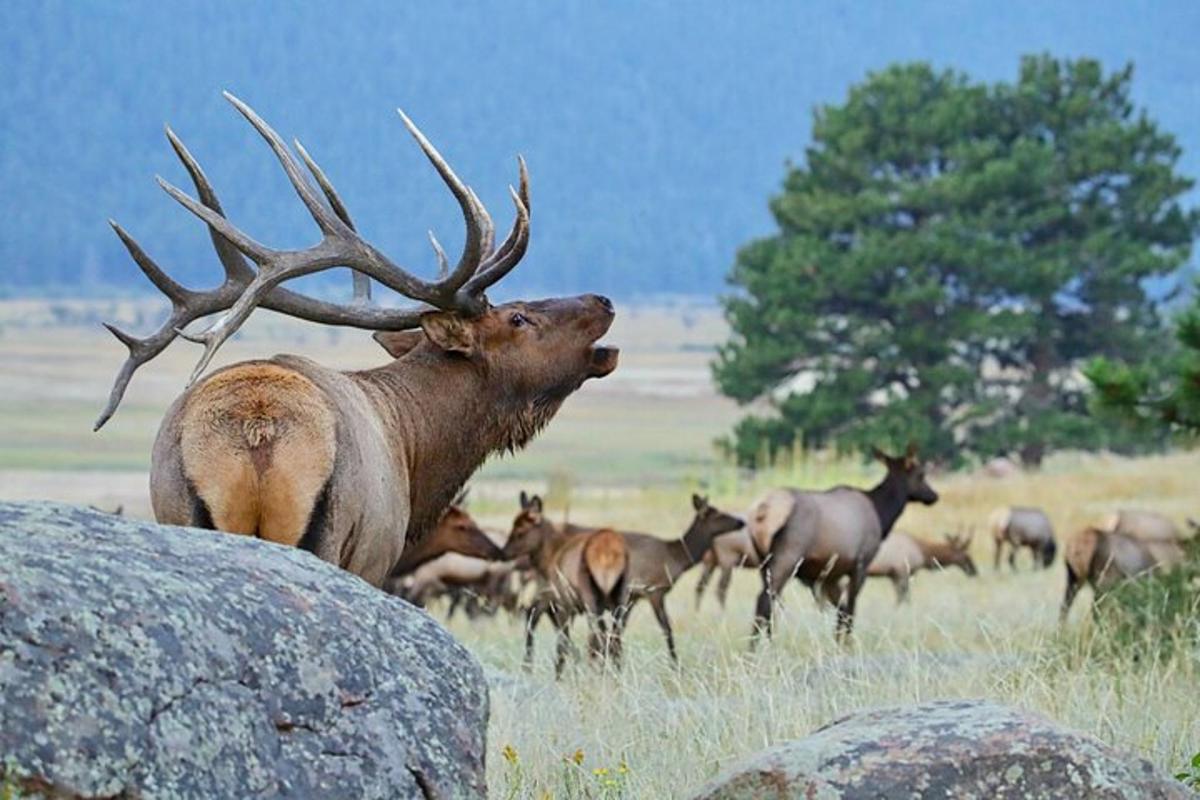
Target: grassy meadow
point(627, 451)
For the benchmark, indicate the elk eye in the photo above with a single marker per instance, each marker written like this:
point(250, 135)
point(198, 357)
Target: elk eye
point(518, 320)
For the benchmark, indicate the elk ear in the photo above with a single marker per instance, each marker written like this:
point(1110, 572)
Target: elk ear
point(699, 503)
point(879, 455)
point(524, 500)
point(450, 332)
point(910, 455)
point(397, 343)
point(535, 504)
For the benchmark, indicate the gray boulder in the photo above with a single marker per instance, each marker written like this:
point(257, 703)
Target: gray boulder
point(139, 660)
point(943, 749)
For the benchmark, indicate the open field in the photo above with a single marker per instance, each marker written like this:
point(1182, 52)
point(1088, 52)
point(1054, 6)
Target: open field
point(627, 451)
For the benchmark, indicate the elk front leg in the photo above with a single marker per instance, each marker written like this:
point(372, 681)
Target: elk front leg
point(723, 585)
point(705, 576)
point(1073, 584)
point(658, 603)
point(999, 554)
point(562, 625)
point(536, 609)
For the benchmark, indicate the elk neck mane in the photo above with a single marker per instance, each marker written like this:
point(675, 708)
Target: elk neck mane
point(889, 498)
point(447, 415)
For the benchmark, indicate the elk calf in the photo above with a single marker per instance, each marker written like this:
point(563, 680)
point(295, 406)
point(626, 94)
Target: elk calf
point(656, 564)
point(901, 555)
point(582, 572)
point(1017, 527)
point(1104, 559)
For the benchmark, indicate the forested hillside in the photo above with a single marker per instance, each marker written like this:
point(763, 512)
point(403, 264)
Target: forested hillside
point(654, 133)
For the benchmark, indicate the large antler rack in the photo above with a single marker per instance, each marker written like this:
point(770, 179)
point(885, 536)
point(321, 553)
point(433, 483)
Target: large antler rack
point(460, 289)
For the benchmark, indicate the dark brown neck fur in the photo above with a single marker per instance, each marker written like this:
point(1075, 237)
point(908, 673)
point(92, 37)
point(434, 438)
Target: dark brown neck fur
point(888, 497)
point(446, 417)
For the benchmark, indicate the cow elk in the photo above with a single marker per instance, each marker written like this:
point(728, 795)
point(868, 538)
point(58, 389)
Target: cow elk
point(1103, 559)
point(656, 564)
point(352, 465)
point(821, 538)
point(1140, 524)
point(1018, 527)
point(901, 555)
point(730, 551)
point(582, 571)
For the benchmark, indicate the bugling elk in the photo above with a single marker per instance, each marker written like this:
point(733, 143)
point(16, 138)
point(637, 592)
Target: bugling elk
point(900, 555)
point(826, 538)
point(351, 465)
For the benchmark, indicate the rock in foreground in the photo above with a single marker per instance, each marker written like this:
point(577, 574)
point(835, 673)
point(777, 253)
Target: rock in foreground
point(943, 750)
point(139, 660)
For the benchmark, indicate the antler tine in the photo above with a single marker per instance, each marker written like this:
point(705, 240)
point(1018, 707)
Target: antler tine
point(361, 283)
point(443, 262)
point(231, 258)
point(316, 208)
point(473, 212)
point(509, 254)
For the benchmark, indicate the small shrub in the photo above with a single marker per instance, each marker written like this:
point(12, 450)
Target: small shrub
point(1190, 776)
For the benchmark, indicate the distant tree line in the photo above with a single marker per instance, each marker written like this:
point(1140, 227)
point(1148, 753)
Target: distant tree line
point(950, 255)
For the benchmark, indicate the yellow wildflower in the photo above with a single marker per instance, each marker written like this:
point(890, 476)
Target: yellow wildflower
point(510, 754)
point(577, 757)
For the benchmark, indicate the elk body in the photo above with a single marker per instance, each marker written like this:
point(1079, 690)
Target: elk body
point(821, 538)
point(352, 465)
point(656, 564)
point(582, 571)
point(1140, 524)
point(730, 551)
point(902, 554)
point(1104, 559)
point(1019, 526)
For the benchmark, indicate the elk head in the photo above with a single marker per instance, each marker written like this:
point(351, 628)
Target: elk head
point(709, 523)
point(908, 473)
point(957, 553)
point(462, 535)
point(530, 529)
point(539, 352)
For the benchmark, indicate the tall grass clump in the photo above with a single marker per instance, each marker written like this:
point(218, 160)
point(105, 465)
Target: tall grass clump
point(1156, 616)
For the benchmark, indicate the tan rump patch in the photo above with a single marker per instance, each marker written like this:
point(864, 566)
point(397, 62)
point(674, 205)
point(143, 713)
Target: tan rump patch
point(258, 444)
point(1079, 551)
point(768, 516)
point(998, 522)
point(606, 555)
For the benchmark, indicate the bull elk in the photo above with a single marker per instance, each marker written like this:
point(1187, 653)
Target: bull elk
point(901, 555)
point(351, 465)
point(821, 538)
point(1105, 558)
point(1018, 527)
point(582, 571)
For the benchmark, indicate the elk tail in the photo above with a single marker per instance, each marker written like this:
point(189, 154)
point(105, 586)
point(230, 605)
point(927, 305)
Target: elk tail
point(768, 517)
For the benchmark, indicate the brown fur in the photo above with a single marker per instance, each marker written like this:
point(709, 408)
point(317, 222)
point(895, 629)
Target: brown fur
point(354, 465)
point(258, 444)
point(1103, 559)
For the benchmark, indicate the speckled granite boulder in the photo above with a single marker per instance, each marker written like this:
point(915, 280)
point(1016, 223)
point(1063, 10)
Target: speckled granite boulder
point(145, 661)
point(939, 751)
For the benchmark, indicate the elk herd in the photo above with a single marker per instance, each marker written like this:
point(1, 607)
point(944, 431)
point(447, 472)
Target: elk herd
point(362, 468)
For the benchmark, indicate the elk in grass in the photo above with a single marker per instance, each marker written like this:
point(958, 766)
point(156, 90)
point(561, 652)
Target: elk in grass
point(1103, 559)
point(352, 465)
point(902, 554)
point(823, 538)
point(1018, 527)
point(656, 564)
point(582, 571)
point(728, 552)
point(1140, 524)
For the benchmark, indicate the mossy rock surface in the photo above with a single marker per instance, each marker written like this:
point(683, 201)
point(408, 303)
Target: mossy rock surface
point(140, 660)
point(943, 750)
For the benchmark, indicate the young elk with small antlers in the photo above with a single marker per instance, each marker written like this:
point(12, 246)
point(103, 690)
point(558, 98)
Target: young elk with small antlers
point(351, 466)
point(901, 555)
point(582, 570)
point(821, 538)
